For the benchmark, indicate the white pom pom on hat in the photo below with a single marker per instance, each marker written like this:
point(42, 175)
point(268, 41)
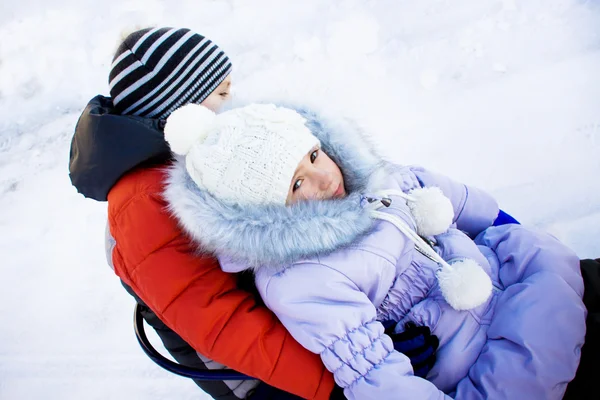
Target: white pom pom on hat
point(188, 125)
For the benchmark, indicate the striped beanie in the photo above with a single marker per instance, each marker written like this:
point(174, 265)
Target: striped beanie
point(156, 70)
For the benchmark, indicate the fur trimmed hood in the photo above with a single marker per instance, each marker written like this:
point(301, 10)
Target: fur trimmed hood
point(276, 235)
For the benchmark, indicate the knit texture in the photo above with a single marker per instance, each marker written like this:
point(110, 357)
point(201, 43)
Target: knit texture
point(157, 70)
point(247, 155)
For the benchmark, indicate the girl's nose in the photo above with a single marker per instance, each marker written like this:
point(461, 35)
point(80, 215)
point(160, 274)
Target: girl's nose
point(322, 178)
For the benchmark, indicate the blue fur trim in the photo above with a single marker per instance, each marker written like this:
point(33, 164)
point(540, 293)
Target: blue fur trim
point(275, 235)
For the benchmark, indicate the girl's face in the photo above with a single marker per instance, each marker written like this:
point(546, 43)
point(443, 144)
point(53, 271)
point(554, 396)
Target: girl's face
point(219, 96)
point(316, 178)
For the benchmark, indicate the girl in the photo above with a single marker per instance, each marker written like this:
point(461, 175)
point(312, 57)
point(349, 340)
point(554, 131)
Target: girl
point(342, 243)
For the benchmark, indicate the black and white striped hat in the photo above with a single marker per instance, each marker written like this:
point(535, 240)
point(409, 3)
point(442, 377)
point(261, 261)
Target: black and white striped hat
point(157, 70)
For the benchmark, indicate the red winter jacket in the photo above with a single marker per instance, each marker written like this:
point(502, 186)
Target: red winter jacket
point(195, 298)
point(110, 155)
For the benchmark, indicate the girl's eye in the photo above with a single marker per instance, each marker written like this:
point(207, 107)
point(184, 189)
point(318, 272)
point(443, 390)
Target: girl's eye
point(313, 156)
point(297, 185)
point(223, 94)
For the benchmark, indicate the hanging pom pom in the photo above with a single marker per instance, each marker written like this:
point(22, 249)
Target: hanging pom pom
point(465, 285)
point(187, 125)
point(432, 211)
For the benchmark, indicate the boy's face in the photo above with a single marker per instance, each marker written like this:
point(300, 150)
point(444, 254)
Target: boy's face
point(316, 178)
point(219, 96)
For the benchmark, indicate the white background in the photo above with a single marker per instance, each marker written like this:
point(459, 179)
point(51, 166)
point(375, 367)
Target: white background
point(504, 95)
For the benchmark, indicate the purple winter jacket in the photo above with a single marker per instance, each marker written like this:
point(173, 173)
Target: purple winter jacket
point(332, 274)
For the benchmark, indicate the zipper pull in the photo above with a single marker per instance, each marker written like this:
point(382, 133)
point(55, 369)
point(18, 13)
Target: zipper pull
point(386, 201)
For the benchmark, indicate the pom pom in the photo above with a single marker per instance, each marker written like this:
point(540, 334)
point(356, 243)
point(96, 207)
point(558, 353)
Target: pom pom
point(465, 285)
point(187, 125)
point(432, 211)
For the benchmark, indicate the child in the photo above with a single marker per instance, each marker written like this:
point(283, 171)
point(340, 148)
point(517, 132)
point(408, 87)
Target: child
point(119, 154)
point(342, 242)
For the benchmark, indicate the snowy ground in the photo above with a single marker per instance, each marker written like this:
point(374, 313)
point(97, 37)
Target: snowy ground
point(501, 94)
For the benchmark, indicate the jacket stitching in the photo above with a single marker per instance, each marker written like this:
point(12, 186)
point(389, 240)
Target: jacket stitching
point(464, 203)
point(371, 368)
point(358, 248)
point(355, 353)
point(158, 248)
point(135, 198)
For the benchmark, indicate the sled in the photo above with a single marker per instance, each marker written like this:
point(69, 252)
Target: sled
point(176, 368)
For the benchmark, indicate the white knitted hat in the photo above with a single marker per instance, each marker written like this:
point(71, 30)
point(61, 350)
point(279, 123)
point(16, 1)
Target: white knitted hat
point(246, 156)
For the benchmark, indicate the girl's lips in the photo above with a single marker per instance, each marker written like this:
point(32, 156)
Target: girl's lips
point(339, 191)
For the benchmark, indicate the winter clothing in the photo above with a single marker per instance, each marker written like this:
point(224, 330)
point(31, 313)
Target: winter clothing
point(585, 384)
point(332, 275)
point(124, 158)
point(156, 70)
point(248, 154)
point(184, 354)
point(106, 146)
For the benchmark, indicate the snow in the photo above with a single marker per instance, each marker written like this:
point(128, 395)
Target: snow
point(504, 95)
